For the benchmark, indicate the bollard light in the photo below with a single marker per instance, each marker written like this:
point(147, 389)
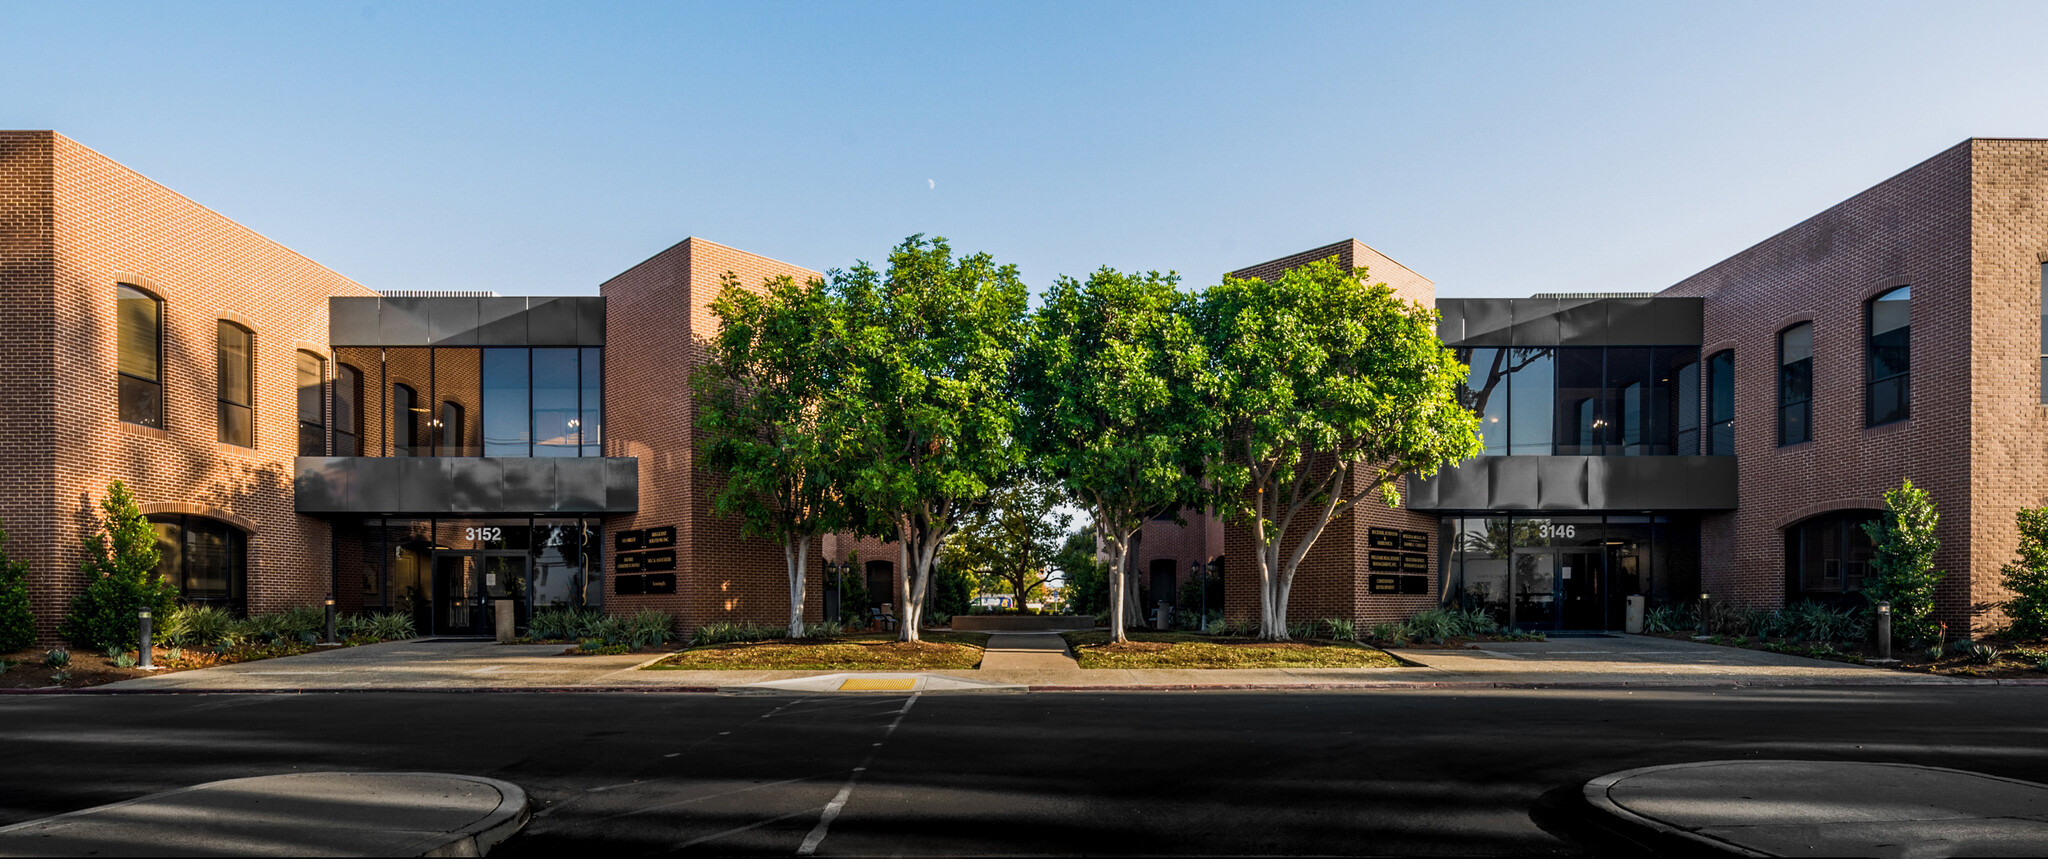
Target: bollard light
point(144, 645)
point(330, 619)
point(1703, 612)
point(1884, 630)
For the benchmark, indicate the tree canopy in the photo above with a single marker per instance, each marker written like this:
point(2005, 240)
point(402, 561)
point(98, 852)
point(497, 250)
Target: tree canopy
point(1329, 388)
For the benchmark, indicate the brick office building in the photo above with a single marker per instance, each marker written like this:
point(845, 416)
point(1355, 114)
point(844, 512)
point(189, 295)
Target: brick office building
point(291, 431)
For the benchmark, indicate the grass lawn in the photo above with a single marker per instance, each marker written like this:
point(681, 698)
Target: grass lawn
point(871, 652)
point(1194, 650)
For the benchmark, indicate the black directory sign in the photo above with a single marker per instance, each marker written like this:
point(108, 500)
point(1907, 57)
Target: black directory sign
point(1415, 584)
point(661, 583)
point(660, 538)
point(627, 541)
point(628, 585)
point(630, 562)
point(1383, 538)
point(1384, 562)
point(1414, 541)
point(655, 562)
point(1386, 584)
point(1414, 562)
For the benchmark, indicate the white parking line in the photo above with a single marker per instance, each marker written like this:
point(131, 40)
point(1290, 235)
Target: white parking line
point(838, 802)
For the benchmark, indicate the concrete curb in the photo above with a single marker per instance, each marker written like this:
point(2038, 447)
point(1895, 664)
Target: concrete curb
point(474, 838)
point(1596, 794)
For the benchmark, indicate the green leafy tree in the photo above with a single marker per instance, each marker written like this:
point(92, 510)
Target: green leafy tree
point(925, 414)
point(120, 570)
point(854, 600)
point(1084, 579)
point(1330, 390)
point(1014, 538)
point(1902, 563)
point(955, 591)
point(2027, 577)
point(17, 619)
point(1114, 383)
point(760, 398)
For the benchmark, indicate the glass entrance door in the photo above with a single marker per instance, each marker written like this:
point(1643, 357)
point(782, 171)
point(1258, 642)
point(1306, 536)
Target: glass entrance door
point(1581, 589)
point(457, 602)
point(468, 586)
point(1533, 604)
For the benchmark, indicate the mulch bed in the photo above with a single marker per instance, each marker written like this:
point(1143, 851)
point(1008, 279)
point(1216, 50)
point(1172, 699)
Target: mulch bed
point(939, 651)
point(1194, 650)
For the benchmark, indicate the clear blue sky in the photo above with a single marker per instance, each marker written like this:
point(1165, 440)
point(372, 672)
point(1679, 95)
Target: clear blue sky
point(1500, 149)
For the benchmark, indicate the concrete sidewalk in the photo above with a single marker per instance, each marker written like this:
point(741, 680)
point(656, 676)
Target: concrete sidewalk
point(300, 814)
point(1039, 662)
point(1822, 808)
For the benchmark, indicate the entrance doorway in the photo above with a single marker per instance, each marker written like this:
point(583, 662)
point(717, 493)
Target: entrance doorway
point(466, 587)
point(1558, 588)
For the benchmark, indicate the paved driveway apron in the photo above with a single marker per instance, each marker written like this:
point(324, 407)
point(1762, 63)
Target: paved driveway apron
point(419, 664)
point(1640, 659)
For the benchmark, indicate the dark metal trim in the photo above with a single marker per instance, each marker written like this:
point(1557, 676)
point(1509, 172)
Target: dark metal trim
point(465, 486)
point(1583, 483)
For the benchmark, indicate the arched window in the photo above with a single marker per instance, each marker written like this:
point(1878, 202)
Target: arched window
point(1827, 556)
point(405, 422)
point(312, 404)
point(1795, 384)
point(235, 349)
point(1887, 396)
point(348, 398)
point(207, 559)
point(139, 328)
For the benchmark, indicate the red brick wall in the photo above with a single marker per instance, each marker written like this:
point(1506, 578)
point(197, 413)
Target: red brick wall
point(659, 321)
point(1974, 438)
point(91, 223)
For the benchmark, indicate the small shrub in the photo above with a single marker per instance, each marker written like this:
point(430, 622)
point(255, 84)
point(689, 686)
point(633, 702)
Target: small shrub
point(1934, 653)
point(1981, 654)
point(1340, 629)
point(1301, 629)
point(1902, 565)
point(827, 629)
point(567, 624)
point(60, 677)
point(124, 660)
point(175, 654)
point(1388, 632)
point(17, 621)
point(387, 627)
point(649, 628)
point(728, 633)
point(120, 570)
point(2025, 576)
point(199, 624)
point(57, 658)
point(1669, 618)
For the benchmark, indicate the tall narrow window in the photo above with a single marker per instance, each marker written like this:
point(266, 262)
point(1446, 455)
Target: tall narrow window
point(1795, 384)
point(557, 421)
point(139, 325)
point(312, 415)
point(348, 398)
point(1721, 403)
point(591, 396)
point(449, 429)
point(234, 351)
point(508, 423)
point(405, 422)
point(1890, 354)
point(1485, 393)
point(1531, 396)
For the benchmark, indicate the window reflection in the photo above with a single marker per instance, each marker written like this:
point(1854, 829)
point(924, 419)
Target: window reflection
point(469, 402)
point(508, 425)
point(557, 415)
point(1533, 378)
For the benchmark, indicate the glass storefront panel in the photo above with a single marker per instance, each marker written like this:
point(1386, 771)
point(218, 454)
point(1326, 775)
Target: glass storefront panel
point(1567, 572)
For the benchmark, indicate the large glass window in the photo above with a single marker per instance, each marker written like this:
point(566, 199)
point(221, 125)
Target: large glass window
point(348, 396)
point(1486, 394)
point(1828, 555)
point(590, 396)
point(1568, 572)
point(405, 422)
point(1890, 352)
point(1721, 403)
point(479, 402)
point(1795, 384)
point(1532, 386)
point(312, 405)
point(508, 422)
point(236, 354)
point(1627, 422)
point(139, 327)
point(557, 413)
point(1675, 400)
point(1581, 414)
point(205, 558)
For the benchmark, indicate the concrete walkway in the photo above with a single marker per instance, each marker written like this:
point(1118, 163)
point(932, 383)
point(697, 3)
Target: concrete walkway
point(301, 814)
point(1823, 808)
point(1039, 662)
point(1027, 651)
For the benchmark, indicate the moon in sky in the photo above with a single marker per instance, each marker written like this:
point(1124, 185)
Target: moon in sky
point(933, 183)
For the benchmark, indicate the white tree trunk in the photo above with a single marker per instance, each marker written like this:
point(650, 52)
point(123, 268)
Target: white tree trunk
point(1118, 549)
point(796, 554)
